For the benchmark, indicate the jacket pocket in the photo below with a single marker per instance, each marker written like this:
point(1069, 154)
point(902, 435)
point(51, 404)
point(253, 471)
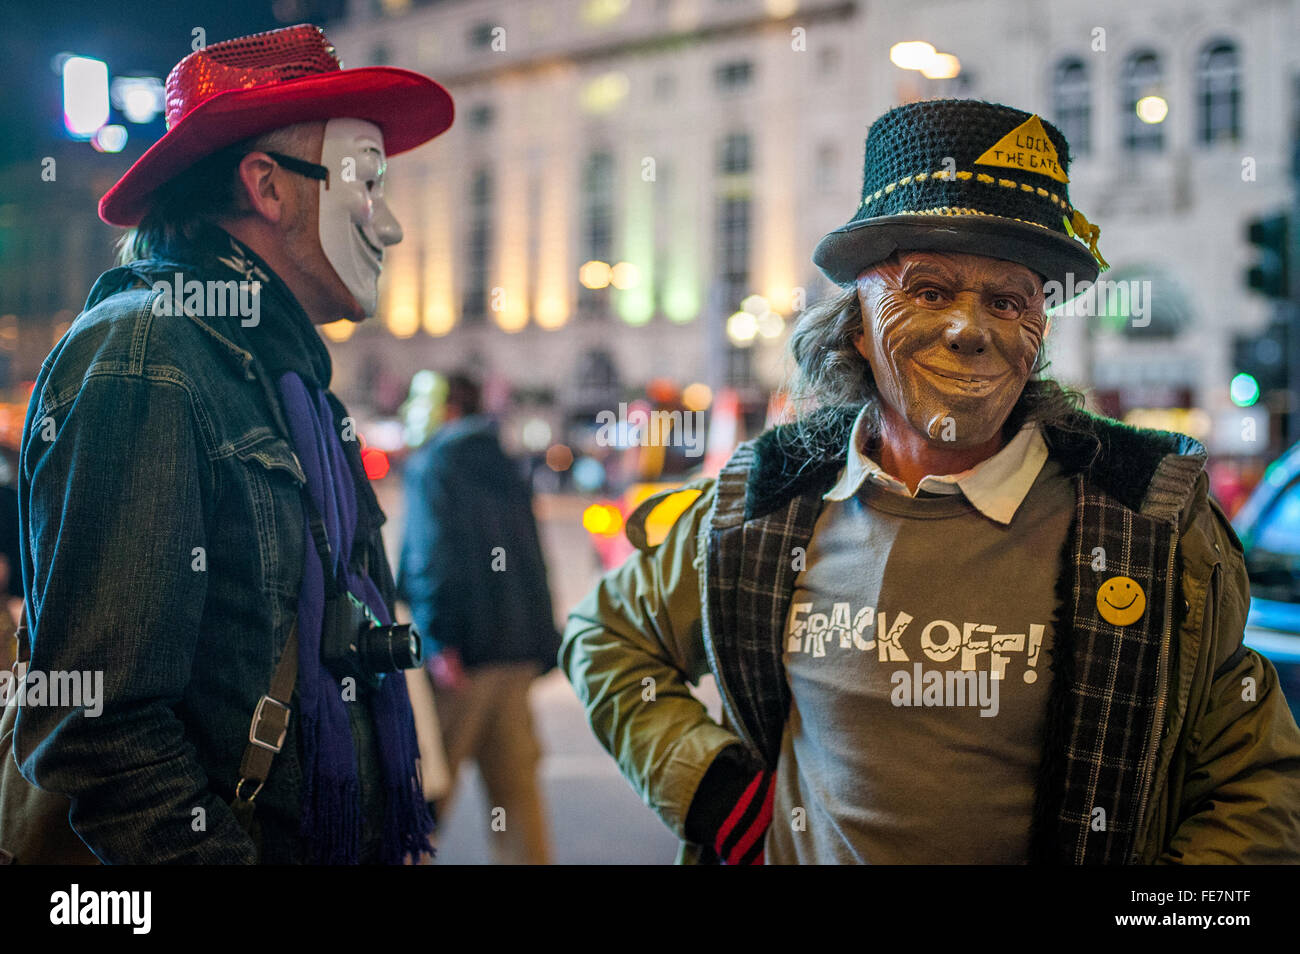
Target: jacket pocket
point(272, 452)
point(272, 476)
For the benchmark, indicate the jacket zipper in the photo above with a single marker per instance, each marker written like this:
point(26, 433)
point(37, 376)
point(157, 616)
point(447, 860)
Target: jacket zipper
point(1162, 690)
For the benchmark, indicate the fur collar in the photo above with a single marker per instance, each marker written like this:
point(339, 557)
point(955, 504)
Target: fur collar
point(1120, 459)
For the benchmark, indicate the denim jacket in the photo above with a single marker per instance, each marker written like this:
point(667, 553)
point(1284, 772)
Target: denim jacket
point(162, 539)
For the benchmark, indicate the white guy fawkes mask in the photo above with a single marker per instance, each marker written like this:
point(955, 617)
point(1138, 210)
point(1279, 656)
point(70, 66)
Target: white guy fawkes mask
point(355, 221)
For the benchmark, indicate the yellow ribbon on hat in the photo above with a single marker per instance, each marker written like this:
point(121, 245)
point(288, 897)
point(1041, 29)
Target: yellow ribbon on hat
point(1080, 227)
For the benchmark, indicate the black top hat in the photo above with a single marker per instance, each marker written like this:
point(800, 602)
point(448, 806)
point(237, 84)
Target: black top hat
point(957, 175)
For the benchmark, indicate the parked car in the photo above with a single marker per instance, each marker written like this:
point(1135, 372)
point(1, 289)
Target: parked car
point(1269, 527)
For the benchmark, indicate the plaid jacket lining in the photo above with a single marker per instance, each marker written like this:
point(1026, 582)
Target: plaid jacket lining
point(1102, 706)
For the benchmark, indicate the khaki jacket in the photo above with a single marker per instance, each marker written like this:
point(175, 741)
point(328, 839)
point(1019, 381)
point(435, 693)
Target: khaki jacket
point(1225, 784)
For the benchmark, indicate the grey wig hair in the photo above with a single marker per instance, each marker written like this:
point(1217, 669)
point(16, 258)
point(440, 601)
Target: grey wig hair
point(831, 381)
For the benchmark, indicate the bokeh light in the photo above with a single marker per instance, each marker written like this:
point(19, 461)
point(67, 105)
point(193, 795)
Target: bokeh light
point(1152, 109)
point(602, 519)
point(375, 462)
point(536, 434)
point(697, 396)
point(559, 457)
point(339, 330)
point(595, 275)
point(624, 275)
point(941, 66)
point(85, 95)
point(111, 138)
point(1244, 390)
point(741, 328)
point(911, 54)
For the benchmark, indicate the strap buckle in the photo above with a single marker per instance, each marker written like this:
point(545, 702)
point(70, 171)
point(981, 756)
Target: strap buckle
point(239, 786)
point(280, 712)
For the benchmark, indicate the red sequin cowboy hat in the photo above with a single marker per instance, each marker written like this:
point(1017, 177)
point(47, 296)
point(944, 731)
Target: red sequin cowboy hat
point(239, 88)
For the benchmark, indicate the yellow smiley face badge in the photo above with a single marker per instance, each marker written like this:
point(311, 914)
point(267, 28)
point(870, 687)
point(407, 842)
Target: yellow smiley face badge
point(1121, 601)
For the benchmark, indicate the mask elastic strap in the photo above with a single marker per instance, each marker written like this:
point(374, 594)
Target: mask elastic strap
point(301, 166)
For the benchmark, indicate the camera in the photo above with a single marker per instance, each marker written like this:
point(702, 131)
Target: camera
point(355, 644)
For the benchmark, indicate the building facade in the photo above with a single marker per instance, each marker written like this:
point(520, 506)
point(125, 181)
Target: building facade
point(683, 158)
point(697, 150)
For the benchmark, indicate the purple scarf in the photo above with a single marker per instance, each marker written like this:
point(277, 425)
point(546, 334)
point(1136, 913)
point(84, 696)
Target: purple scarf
point(331, 798)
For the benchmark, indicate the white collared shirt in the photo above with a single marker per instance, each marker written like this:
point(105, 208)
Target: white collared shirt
point(995, 487)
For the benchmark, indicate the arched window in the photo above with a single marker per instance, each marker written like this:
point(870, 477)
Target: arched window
point(734, 154)
point(1142, 79)
point(1218, 93)
point(1142, 302)
point(1072, 104)
point(596, 223)
point(478, 246)
point(596, 379)
point(598, 211)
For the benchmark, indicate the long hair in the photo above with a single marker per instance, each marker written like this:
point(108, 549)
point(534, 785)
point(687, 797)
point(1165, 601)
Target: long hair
point(831, 383)
point(204, 194)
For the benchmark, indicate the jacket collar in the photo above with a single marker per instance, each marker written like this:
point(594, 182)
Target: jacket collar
point(283, 338)
point(1148, 471)
point(148, 272)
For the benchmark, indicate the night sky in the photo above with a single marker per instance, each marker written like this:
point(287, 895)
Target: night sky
point(134, 37)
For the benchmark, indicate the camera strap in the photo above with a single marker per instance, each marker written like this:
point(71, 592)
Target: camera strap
point(267, 732)
point(270, 725)
point(317, 525)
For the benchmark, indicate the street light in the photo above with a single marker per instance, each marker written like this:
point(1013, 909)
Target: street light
point(1244, 390)
point(770, 325)
point(625, 275)
point(741, 329)
point(1152, 109)
point(911, 54)
point(139, 97)
point(111, 138)
point(85, 95)
point(923, 57)
point(594, 274)
point(941, 66)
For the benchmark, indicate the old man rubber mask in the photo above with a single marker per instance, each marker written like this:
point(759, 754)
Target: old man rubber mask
point(951, 339)
point(355, 222)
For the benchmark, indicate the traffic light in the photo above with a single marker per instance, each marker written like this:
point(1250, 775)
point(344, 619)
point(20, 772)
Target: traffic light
point(1262, 359)
point(1270, 276)
point(1244, 389)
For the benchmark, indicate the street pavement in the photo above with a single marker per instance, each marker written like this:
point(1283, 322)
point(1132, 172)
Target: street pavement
point(594, 815)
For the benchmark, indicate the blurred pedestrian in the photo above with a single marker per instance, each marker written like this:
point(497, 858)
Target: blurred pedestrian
point(196, 522)
point(472, 571)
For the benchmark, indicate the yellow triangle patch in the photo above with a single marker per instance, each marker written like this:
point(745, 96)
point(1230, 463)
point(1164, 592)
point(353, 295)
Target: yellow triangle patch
point(1027, 148)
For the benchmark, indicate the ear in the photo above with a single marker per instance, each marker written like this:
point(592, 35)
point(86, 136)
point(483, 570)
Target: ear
point(860, 336)
point(860, 345)
point(264, 186)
